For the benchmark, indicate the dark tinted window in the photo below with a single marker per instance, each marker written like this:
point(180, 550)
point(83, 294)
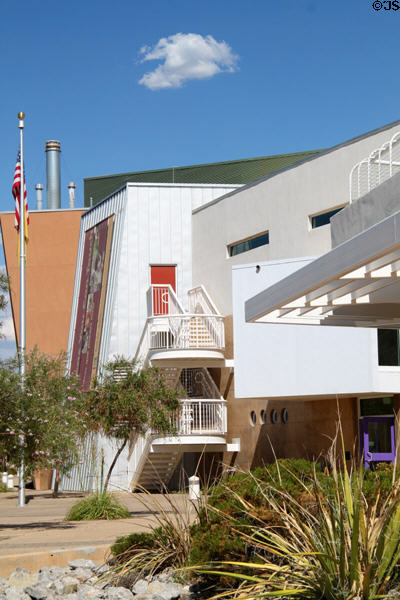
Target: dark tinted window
point(323, 218)
point(254, 242)
point(388, 347)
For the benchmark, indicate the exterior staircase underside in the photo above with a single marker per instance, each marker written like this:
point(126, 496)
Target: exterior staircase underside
point(159, 468)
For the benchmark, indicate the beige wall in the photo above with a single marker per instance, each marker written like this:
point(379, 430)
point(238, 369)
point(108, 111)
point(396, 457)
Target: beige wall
point(50, 273)
point(311, 423)
point(281, 205)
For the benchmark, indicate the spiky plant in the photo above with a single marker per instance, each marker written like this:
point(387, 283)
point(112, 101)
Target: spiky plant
point(341, 547)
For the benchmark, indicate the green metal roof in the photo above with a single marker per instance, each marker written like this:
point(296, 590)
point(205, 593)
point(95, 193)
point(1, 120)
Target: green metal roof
point(233, 171)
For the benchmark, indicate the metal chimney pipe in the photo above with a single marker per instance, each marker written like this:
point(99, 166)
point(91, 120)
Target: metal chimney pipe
point(71, 194)
point(39, 196)
point(53, 189)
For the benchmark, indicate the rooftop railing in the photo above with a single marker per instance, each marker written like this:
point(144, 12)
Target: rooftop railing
point(380, 165)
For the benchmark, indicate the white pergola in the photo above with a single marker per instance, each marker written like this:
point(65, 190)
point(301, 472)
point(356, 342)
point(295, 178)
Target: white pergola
point(356, 284)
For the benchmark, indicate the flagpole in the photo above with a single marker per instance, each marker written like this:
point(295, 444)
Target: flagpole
point(22, 342)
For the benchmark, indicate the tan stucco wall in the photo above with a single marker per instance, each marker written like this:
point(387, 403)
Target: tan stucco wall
point(311, 424)
point(307, 434)
point(50, 273)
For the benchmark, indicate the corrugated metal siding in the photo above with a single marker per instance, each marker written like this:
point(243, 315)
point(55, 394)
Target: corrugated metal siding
point(157, 230)
point(83, 477)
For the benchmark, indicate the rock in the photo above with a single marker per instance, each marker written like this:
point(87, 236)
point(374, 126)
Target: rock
point(82, 574)
point(160, 590)
point(140, 587)
point(65, 586)
point(101, 569)
point(89, 592)
point(53, 573)
point(21, 577)
point(15, 593)
point(119, 593)
point(82, 563)
point(38, 592)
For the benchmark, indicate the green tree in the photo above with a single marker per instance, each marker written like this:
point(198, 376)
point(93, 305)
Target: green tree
point(44, 418)
point(3, 290)
point(126, 402)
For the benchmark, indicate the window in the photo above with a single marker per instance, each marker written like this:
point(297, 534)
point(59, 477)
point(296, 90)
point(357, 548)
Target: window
point(323, 218)
point(376, 406)
point(262, 239)
point(388, 348)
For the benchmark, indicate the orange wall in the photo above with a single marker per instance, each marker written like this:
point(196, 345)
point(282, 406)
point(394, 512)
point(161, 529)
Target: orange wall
point(50, 273)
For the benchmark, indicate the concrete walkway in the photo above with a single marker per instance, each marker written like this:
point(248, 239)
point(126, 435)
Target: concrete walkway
point(37, 535)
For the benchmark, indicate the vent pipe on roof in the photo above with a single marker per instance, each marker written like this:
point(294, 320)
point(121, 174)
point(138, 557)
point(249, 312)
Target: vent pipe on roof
point(71, 194)
point(53, 189)
point(39, 196)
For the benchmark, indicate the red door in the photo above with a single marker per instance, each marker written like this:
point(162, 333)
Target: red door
point(162, 276)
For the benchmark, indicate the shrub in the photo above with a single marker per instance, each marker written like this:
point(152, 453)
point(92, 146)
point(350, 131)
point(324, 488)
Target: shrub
point(127, 544)
point(101, 505)
point(212, 538)
point(339, 547)
point(3, 487)
point(167, 545)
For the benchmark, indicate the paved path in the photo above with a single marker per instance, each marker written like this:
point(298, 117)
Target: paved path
point(37, 534)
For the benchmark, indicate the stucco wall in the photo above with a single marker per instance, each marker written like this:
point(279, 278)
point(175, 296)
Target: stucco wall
point(50, 271)
point(280, 360)
point(280, 204)
point(375, 206)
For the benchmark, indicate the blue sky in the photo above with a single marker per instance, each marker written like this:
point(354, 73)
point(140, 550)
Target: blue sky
point(294, 75)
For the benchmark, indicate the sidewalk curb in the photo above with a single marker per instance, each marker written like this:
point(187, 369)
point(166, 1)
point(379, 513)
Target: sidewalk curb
point(59, 557)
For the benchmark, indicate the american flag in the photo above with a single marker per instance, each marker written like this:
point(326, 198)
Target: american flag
point(16, 190)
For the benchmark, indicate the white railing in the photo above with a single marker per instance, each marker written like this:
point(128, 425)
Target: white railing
point(181, 332)
point(380, 165)
point(197, 383)
point(162, 300)
point(201, 417)
point(200, 301)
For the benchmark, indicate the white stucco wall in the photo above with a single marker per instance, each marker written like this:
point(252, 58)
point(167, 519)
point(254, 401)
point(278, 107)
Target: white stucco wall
point(273, 360)
point(282, 205)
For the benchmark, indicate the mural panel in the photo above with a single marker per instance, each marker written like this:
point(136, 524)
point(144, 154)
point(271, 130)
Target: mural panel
point(92, 294)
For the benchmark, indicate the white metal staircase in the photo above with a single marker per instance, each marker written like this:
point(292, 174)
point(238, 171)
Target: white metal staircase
point(170, 328)
point(202, 413)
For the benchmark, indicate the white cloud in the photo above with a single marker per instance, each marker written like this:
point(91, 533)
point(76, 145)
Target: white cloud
point(186, 56)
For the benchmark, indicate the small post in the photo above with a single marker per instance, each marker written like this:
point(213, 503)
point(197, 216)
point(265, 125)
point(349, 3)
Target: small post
point(194, 488)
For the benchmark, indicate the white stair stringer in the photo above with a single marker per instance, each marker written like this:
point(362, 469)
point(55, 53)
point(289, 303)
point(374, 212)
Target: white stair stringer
point(159, 468)
point(171, 375)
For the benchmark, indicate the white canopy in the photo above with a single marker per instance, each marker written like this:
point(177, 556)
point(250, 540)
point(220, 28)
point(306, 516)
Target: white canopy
point(355, 284)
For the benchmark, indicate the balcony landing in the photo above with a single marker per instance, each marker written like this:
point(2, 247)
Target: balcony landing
point(191, 443)
point(188, 357)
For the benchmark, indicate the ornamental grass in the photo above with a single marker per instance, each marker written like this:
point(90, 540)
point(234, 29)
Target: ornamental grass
point(340, 546)
point(101, 505)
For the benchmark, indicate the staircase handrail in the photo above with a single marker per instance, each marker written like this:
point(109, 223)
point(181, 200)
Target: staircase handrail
point(199, 295)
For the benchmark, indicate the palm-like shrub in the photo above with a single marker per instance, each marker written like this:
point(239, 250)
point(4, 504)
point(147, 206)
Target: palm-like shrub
point(340, 546)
